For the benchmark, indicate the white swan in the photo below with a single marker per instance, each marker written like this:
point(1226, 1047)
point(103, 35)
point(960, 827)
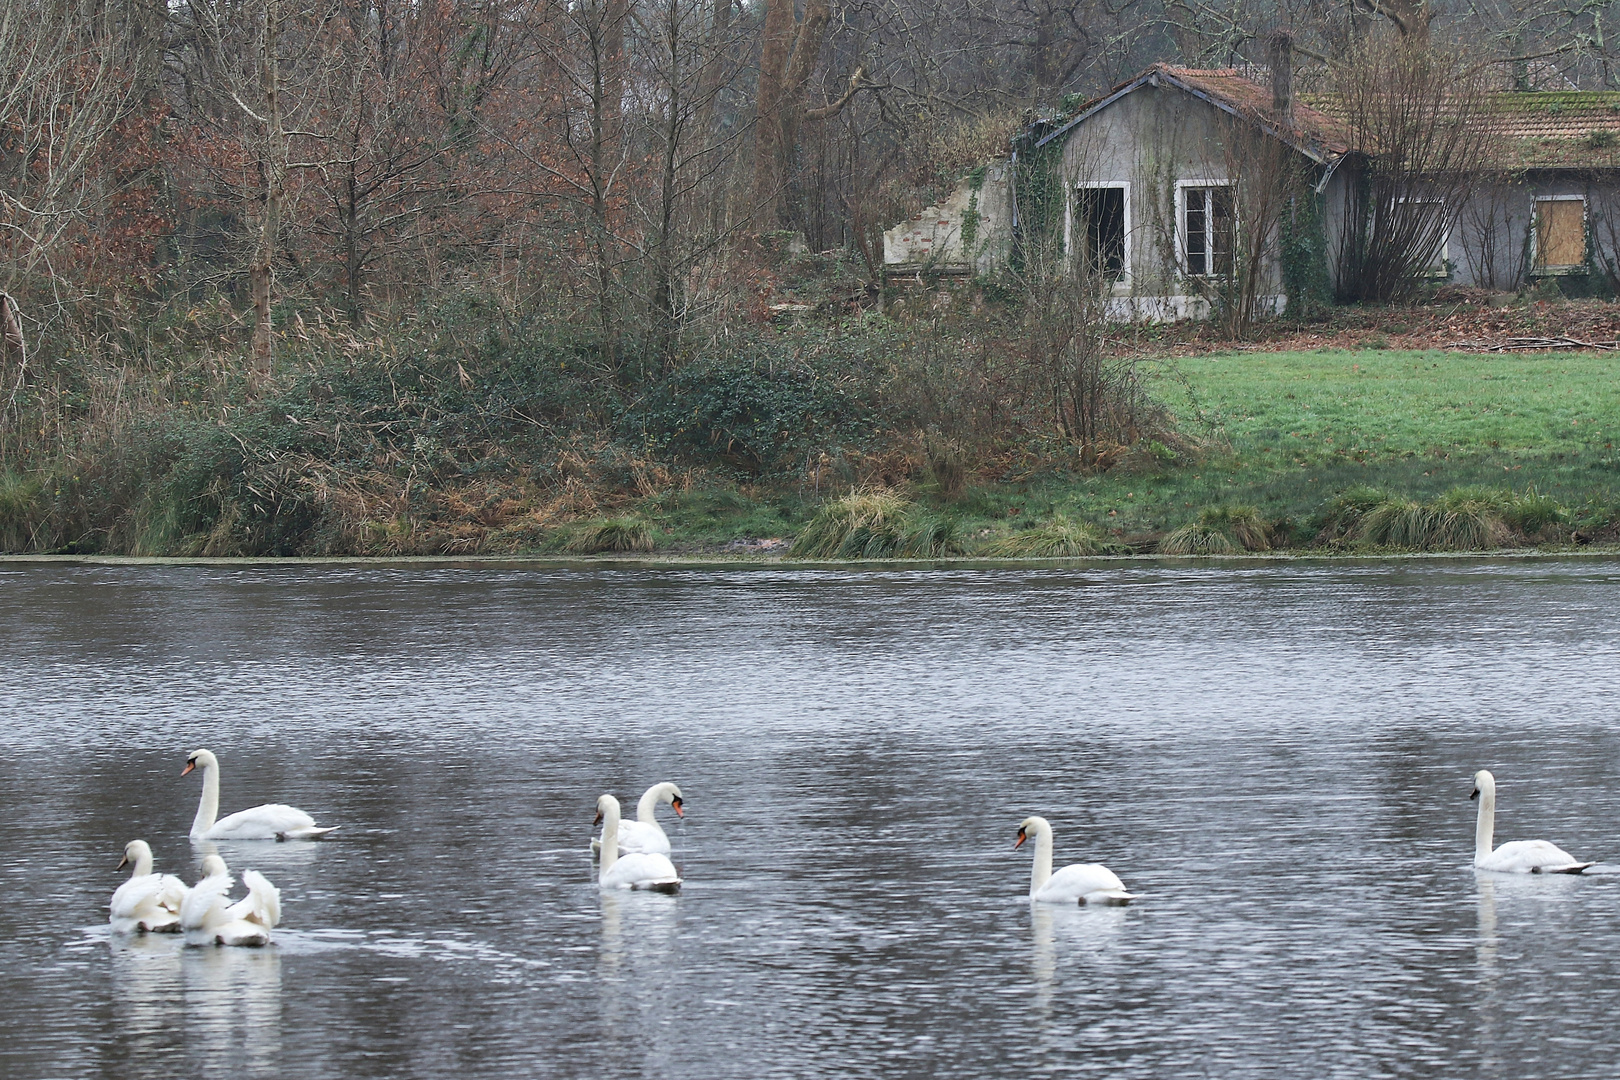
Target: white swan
point(639, 870)
point(272, 821)
point(208, 918)
point(1085, 883)
point(147, 902)
point(645, 834)
point(1515, 856)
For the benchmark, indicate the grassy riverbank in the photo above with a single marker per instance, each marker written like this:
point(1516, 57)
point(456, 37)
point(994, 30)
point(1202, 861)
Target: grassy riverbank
point(1288, 435)
point(508, 452)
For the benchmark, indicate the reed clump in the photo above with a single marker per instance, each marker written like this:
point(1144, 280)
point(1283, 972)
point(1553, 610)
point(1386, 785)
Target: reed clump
point(1061, 537)
point(613, 534)
point(1219, 530)
point(876, 525)
point(19, 507)
point(1463, 519)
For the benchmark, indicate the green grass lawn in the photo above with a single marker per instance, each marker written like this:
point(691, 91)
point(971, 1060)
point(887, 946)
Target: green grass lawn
point(1331, 406)
point(1286, 432)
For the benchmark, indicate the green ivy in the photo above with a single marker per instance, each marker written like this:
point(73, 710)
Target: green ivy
point(1304, 254)
point(1039, 194)
point(970, 226)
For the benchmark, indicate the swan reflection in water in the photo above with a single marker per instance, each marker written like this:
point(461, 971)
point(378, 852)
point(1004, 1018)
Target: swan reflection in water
point(232, 1000)
point(145, 974)
point(266, 856)
point(221, 1007)
point(1488, 1029)
point(1069, 931)
point(638, 967)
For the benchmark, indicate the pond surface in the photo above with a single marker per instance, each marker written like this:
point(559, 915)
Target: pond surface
point(1277, 758)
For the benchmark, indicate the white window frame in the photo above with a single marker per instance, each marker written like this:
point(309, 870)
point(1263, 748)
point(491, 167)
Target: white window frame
point(1182, 268)
point(1444, 254)
point(1123, 282)
point(1562, 269)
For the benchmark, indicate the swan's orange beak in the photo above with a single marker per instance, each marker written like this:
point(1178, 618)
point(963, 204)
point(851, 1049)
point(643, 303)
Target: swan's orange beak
point(676, 805)
point(1474, 796)
point(1022, 836)
point(122, 862)
point(598, 820)
point(189, 766)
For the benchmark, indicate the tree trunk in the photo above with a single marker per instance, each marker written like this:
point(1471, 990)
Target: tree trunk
point(773, 58)
point(273, 175)
point(782, 76)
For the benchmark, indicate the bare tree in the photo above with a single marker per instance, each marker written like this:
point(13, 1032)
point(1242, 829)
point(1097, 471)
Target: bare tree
point(1417, 116)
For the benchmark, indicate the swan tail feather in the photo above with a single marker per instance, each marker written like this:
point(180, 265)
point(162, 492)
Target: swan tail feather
point(262, 904)
point(308, 832)
point(1108, 897)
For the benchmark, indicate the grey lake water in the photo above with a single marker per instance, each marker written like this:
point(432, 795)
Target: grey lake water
point(1276, 757)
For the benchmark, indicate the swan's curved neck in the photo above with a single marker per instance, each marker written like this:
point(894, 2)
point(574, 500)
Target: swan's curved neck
point(1485, 828)
point(208, 805)
point(610, 838)
point(1041, 873)
point(647, 808)
point(143, 865)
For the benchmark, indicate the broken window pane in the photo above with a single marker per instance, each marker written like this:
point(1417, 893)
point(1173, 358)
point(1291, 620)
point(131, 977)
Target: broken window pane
point(1100, 217)
point(1560, 233)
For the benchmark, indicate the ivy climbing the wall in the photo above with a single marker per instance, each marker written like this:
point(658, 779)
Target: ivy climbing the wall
point(1304, 253)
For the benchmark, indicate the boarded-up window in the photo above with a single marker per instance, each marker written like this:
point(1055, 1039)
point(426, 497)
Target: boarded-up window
point(1100, 216)
point(1560, 233)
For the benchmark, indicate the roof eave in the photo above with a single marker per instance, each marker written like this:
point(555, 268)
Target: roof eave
point(1319, 154)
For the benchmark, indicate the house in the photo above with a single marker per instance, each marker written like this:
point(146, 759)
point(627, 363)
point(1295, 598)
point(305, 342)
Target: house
point(1154, 187)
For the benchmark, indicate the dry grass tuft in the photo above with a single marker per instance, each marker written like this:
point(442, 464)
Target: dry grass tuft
point(614, 534)
point(876, 525)
point(1058, 538)
point(1220, 530)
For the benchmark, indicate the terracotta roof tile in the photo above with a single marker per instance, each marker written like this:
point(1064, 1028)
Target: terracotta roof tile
point(1254, 100)
point(1558, 129)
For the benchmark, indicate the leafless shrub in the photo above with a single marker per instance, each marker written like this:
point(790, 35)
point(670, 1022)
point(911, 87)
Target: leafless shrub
point(1418, 117)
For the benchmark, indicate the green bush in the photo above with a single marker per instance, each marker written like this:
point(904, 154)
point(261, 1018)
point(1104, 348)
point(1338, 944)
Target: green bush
point(767, 406)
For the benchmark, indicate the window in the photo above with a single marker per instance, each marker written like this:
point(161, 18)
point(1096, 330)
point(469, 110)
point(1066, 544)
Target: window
point(1208, 229)
point(1431, 222)
point(1560, 233)
point(1100, 217)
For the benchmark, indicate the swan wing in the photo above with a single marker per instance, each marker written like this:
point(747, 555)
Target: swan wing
point(642, 871)
point(272, 821)
point(1075, 884)
point(1531, 857)
point(642, 837)
point(204, 905)
point(134, 895)
point(262, 905)
point(172, 893)
point(138, 904)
